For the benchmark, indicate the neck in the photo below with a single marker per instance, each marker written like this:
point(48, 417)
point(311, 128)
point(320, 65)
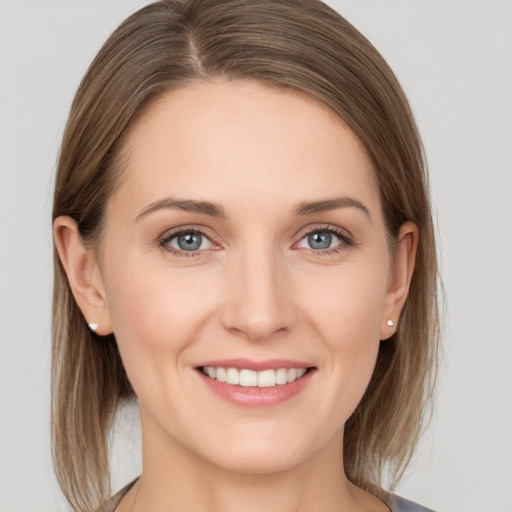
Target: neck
point(175, 479)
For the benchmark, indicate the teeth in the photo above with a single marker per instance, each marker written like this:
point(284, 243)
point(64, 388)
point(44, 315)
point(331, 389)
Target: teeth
point(292, 374)
point(232, 376)
point(221, 374)
point(250, 378)
point(266, 379)
point(281, 376)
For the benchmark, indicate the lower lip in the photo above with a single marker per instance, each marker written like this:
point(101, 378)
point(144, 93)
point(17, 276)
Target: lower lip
point(252, 396)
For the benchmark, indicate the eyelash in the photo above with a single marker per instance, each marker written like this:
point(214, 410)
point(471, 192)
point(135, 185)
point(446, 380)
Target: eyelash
point(166, 239)
point(346, 241)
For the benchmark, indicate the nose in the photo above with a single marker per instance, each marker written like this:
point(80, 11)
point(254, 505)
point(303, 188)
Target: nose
point(258, 305)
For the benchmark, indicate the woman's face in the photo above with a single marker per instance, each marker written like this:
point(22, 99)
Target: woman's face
point(247, 236)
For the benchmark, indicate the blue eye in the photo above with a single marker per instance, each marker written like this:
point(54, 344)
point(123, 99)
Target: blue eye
point(321, 239)
point(188, 241)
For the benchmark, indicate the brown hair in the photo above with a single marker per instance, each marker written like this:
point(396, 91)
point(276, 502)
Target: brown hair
point(300, 45)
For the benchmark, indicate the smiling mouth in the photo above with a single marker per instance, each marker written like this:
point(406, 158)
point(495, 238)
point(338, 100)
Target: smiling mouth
point(249, 378)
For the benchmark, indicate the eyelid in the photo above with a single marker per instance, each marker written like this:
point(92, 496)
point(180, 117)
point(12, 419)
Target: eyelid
point(312, 228)
point(164, 239)
point(346, 238)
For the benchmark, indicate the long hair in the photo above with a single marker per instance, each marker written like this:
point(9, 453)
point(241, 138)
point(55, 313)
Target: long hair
point(298, 45)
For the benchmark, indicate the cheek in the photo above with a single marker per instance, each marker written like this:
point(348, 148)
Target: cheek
point(345, 308)
point(347, 302)
point(155, 310)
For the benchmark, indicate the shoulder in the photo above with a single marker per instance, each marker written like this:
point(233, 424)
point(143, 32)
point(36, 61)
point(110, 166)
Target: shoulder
point(399, 504)
point(112, 504)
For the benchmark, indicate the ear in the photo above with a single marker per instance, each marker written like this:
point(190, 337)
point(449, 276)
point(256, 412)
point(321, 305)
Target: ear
point(400, 278)
point(83, 274)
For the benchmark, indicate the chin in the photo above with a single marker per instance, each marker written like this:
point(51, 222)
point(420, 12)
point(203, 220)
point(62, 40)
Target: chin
point(257, 462)
point(259, 454)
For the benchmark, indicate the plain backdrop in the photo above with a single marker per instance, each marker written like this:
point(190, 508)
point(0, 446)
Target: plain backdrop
point(454, 60)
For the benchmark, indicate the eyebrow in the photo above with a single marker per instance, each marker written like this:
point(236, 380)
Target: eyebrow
point(187, 205)
point(309, 207)
point(215, 210)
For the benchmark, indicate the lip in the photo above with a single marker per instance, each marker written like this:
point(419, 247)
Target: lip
point(257, 366)
point(253, 396)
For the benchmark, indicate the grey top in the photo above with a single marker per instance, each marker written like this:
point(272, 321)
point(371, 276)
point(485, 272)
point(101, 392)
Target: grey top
point(397, 504)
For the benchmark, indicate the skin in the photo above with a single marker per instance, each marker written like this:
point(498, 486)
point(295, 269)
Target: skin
point(256, 289)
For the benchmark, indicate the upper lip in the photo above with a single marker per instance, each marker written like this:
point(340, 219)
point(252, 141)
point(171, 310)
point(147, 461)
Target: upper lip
point(249, 364)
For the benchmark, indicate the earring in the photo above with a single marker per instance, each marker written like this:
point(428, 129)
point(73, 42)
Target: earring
point(391, 323)
point(92, 327)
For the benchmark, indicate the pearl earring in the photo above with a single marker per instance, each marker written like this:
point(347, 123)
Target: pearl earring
point(391, 323)
point(92, 327)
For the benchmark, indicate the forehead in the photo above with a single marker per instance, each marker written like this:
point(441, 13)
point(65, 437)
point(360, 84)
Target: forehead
point(225, 138)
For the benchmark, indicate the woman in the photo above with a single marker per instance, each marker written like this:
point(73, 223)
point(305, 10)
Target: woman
point(243, 243)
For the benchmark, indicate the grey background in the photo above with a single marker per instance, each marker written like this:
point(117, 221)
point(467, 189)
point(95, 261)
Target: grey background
point(454, 59)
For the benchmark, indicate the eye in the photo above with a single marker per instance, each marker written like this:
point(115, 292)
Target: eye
point(323, 239)
point(187, 241)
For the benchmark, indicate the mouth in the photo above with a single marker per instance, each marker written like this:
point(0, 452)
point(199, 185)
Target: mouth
point(250, 378)
point(255, 384)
